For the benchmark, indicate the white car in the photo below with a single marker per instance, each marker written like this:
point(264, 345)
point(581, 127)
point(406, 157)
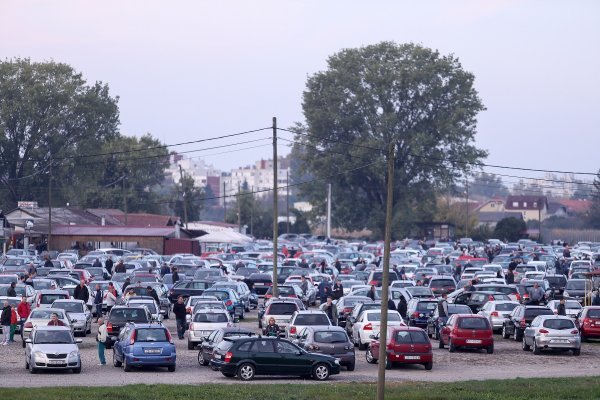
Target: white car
point(204, 322)
point(533, 275)
point(303, 318)
point(150, 304)
point(402, 284)
point(572, 307)
point(79, 315)
point(367, 326)
point(497, 311)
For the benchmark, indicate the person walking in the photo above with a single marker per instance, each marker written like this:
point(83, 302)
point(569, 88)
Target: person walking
point(109, 265)
point(98, 302)
point(97, 263)
point(81, 292)
point(331, 310)
point(152, 293)
point(371, 293)
point(14, 319)
point(180, 315)
point(23, 309)
point(101, 340)
point(12, 292)
point(402, 306)
point(338, 290)
point(110, 297)
point(174, 275)
point(323, 287)
point(5, 322)
point(561, 309)
point(121, 268)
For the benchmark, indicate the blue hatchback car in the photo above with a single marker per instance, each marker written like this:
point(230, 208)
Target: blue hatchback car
point(144, 345)
point(230, 298)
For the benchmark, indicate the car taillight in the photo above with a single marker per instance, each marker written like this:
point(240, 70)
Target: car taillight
point(188, 310)
point(191, 327)
point(132, 340)
point(292, 329)
point(368, 327)
point(269, 284)
point(518, 296)
point(415, 314)
point(228, 303)
point(28, 325)
point(373, 283)
point(491, 298)
point(293, 296)
point(109, 327)
point(574, 332)
point(228, 357)
point(169, 337)
point(544, 331)
point(587, 322)
point(523, 323)
point(494, 313)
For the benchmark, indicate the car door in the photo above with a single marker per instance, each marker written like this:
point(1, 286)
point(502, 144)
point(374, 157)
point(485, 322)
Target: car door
point(118, 347)
point(530, 332)
point(513, 320)
point(292, 358)
point(264, 356)
point(445, 331)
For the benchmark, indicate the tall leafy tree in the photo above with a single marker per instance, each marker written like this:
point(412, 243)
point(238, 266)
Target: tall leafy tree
point(369, 97)
point(488, 185)
point(593, 216)
point(48, 114)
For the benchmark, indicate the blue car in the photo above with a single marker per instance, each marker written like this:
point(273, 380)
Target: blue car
point(419, 310)
point(229, 297)
point(144, 345)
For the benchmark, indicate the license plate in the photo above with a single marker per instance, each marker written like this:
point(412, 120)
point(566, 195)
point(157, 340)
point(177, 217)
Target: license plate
point(152, 351)
point(473, 341)
point(412, 357)
point(559, 341)
point(218, 356)
point(55, 362)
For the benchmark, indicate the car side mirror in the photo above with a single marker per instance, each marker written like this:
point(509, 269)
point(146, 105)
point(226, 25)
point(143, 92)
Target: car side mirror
point(78, 341)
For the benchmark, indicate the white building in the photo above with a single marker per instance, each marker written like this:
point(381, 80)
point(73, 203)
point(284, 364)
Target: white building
point(196, 168)
point(259, 178)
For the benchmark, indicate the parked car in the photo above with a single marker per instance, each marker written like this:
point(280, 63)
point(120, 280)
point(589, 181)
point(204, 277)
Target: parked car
point(357, 309)
point(208, 345)
point(588, 322)
point(188, 288)
point(572, 307)
point(204, 322)
point(240, 288)
point(552, 332)
point(119, 316)
point(161, 291)
point(497, 311)
point(520, 318)
point(441, 284)
point(329, 340)
point(467, 331)
point(346, 304)
point(418, 312)
point(79, 315)
point(367, 325)
point(41, 317)
point(52, 348)
point(148, 302)
point(436, 322)
point(303, 318)
point(261, 282)
point(281, 310)
point(144, 345)
point(578, 289)
point(405, 345)
point(232, 301)
point(248, 357)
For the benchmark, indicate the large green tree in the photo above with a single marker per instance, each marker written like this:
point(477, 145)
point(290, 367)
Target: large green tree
point(593, 217)
point(487, 185)
point(48, 115)
point(510, 229)
point(369, 97)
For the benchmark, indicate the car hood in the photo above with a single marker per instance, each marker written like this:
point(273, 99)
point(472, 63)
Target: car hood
point(54, 348)
point(76, 316)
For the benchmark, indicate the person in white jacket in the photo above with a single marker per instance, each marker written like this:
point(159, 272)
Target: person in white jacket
point(101, 340)
point(110, 297)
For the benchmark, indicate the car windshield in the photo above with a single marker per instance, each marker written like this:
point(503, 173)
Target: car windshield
point(311, 319)
point(53, 337)
point(473, 323)
point(128, 314)
point(49, 298)
point(377, 317)
point(211, 318)
point(207, 273)
point(578, 285)
point(45, 314)
point(151, 306)
point(41, 285)
point(559, 324)
point(573, 305)
point(419, 291)
point(594, 313)
point(531, 313)
point(330, 337)
point(19, 289)
point(350, 302)
point(442, 282)
point(69, 307)
point(218, 294)
point(556, 280)
point(151, 335)
point(459, 309)
point(426, 305)
point(505, 306)
point(378, 276)
point(206, 305)
point(282, 309)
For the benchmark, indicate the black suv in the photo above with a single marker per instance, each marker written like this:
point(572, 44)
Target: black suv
point(520, 318)
point(121, 315)
point(476, 300)
point(247, 357)
point(188, 288)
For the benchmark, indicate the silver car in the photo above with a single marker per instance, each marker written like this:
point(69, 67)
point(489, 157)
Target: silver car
point(52, 347)
point(79, 315)
point(40, 317)
point(552, 332)
point(572, 307)
point(497, 311)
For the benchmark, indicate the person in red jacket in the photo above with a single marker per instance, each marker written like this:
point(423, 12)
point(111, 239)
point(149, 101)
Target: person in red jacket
point(14, 318)
point(23, 309)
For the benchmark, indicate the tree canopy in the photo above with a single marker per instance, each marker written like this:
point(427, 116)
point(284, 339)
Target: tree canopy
point(385, 93)
point(511, 229)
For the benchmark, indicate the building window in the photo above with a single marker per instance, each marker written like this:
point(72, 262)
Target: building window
point(535, 204)
point(493, 205)
point(515, 204)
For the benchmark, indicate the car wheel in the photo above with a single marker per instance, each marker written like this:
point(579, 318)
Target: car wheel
point(243, 314)
point(77, 370)
point(518, 335)
point(32, 370)
point(26, 364)
point(369, 357)
point(228, 375)
point(116, 363)
point(536, 349)
point(190, 345)
point(23, 343)
point(524, 345)
point(451, 346)
point(361, 345)
point(171, 368)
point(490, 350)
point(350, 367)
point(576, 352)
point(428, 366)
point(246, 372)
point(505, 334)
point(437, 334)
point(388, 363)
point(126, 366)
point(321, 372)
point(201, 359)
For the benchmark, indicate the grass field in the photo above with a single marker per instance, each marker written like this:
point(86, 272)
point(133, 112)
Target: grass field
point(526, 389)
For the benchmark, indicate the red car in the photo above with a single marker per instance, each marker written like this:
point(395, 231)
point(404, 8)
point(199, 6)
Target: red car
point(467, 331)
point(83, 274)
point(588, 322)
point(405, 345)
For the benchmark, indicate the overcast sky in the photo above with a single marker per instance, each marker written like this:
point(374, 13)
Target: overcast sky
point(187, 70)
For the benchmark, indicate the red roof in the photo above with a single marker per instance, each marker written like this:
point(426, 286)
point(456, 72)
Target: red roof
point(79, 230)
point(576, 206)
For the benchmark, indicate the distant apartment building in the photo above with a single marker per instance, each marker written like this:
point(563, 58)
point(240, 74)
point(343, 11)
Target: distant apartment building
point(259, 177)
point(196, 168)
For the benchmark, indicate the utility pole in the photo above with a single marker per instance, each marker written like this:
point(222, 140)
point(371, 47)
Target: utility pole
point(185, 218)
point(239, 210)
point(48, 245)
point(224, 203)
point(328, 210)
point(275, 210)
point(386, 275)
point(467, 222)
point(540, 205)
point(125, 199)
point(287, 200)
point(252, 213)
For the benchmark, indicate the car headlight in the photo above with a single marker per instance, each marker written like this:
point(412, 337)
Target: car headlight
point(565, 294)
point(73, 355)
point(39, 354)
point(337, 361)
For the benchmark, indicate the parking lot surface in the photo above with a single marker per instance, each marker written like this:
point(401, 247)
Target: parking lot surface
point(508, 361)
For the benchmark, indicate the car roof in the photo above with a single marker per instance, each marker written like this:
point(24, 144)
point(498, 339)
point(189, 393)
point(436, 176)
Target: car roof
point(51, 328)
point(554, 316)
point(310, 312)
point(148, 325)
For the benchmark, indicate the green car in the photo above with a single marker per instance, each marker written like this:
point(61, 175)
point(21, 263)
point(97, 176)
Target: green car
point(248, 357)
